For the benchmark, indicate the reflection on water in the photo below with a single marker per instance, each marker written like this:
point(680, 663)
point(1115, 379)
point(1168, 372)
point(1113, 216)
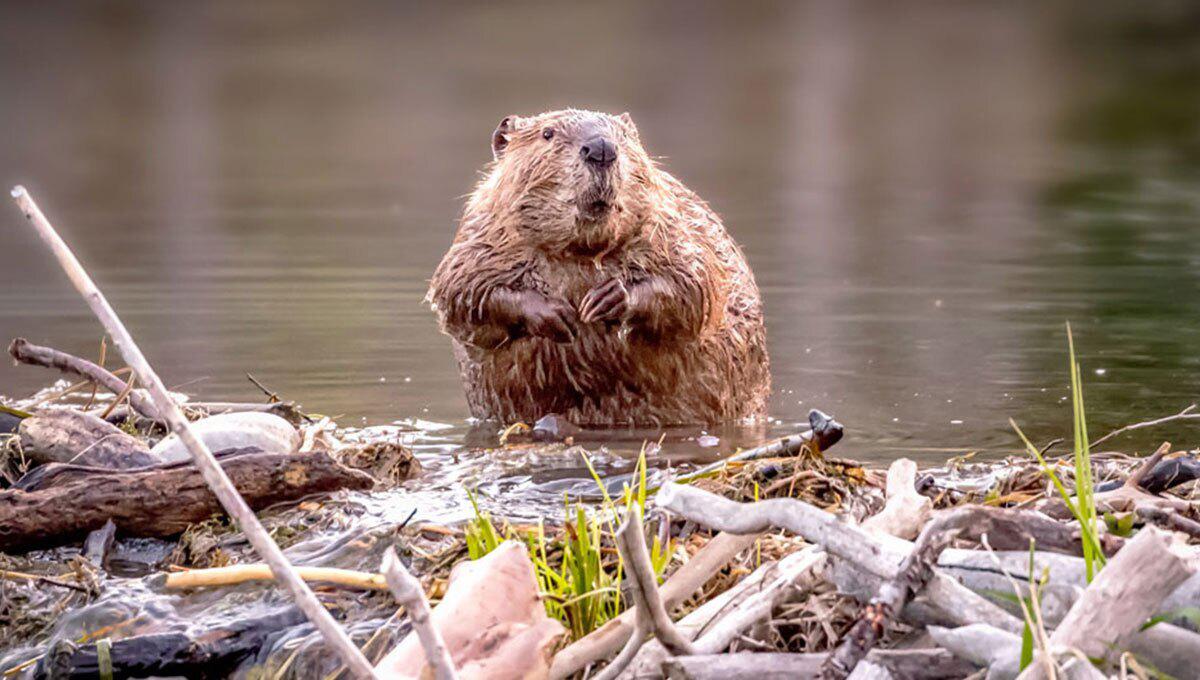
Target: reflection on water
point(926, 193)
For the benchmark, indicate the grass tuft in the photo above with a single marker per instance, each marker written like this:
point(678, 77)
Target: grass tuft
point(578, 569)
point(1083, 507)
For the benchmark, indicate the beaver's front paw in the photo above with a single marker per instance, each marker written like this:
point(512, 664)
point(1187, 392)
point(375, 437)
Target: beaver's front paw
point(545, 317)
point(608, 301)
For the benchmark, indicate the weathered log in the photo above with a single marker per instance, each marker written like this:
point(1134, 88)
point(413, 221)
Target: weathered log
point(68, 436)
point(35, 355)
point(916, 664)
point(1120, 599)
point(66, 501)
point(211, 654)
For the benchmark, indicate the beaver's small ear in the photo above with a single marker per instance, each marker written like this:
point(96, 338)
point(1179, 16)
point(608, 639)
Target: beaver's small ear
point(500, 136)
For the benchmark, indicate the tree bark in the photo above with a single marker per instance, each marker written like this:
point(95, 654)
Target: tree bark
point(64, 502)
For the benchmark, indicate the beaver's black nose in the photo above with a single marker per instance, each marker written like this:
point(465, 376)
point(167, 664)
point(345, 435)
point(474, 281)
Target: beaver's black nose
point(599, 151)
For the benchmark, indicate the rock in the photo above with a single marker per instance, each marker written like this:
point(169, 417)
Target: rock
point(66, 436)
point(263, 431)
point(553, 428)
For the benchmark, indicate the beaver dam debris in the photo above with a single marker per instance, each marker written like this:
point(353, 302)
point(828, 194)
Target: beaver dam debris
point(121, 558)
point(780, 561)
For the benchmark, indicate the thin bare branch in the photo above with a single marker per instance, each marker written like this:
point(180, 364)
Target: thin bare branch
point(164, 407)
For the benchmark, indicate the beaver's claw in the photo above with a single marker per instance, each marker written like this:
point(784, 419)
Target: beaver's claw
point(547, 318)
point(607, 302)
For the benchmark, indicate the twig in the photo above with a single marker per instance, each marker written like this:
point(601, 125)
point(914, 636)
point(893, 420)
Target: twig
point(411, 596)
point(103, 357)
point(1135, 480)
point(241, 573)
point(120, 397)
point(164, 407)
point(38, 578)
point(1185, 414)
point(271, 396)
point(27, 353)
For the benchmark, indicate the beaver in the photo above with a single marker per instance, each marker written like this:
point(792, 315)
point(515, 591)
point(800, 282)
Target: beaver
point(586, 281)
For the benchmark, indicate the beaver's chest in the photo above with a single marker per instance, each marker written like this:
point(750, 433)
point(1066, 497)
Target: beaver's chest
point(571, 279)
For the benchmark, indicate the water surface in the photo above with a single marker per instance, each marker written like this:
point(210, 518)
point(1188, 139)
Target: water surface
point(926, 193)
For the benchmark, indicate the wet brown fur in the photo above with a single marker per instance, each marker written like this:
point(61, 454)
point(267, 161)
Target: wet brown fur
point(541, 230)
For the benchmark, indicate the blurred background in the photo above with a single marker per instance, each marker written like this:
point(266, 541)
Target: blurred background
point(926, 191)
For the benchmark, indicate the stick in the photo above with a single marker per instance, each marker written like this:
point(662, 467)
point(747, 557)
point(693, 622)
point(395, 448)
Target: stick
point(38, 578)
point(1185, 414)
point(650, 614)
point(825, 433)
point(631, 543)
point(914, 573)
point(242, 573)
point(411, 596)
point(719, 621)
point(609, 638)
point(1135, 479)
point(214, 476)
point(35, 355)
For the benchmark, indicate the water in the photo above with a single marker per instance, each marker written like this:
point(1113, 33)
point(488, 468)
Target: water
point(926, 193)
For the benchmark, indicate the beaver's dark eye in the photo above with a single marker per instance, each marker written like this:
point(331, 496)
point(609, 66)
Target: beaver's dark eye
point(548, 133)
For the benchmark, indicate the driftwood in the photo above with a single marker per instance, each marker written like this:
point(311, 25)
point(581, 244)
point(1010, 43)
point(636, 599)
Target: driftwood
point(609, 638)
point(906, 511)
point(68, 501)
point(916, 664)
point(67, 436)
point(650, 615)
point(210, 654)
point(1120, 599)
point(950, 600)
point(210, 470)
point(715, 624)
point(891, 597)
point(35, 355)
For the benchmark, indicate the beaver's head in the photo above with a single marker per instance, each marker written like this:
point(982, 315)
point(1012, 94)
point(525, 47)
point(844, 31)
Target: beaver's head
point(572, 182)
